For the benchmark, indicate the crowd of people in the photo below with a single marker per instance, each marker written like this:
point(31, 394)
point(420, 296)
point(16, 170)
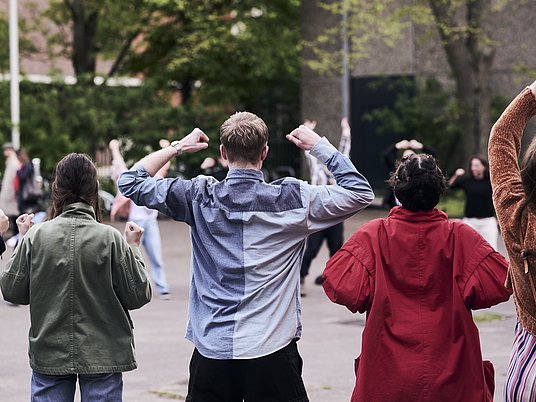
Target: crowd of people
point(416, 274)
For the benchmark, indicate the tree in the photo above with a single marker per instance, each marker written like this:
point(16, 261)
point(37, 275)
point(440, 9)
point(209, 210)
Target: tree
point(218, 56)
point(465, 31)
point(88, 29)
point(225, 50)
point(229, 55)
point(26, 46)
point(470, 52)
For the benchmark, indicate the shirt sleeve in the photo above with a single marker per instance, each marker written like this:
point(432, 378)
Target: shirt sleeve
point(170, 196)
point(458, 184)
point(329, 205)
point(348, 282)
point(130, 279)
point(15, 280)
point(485, 287)
point(503, 152)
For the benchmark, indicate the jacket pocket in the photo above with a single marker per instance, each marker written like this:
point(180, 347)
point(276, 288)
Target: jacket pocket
point(489, 379)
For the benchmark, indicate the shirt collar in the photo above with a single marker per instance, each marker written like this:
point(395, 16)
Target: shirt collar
point(80, 207)
point(251, 174)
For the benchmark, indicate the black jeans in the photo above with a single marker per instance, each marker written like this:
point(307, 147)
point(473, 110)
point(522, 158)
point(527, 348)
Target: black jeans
point(334, 237)
point(272, 378)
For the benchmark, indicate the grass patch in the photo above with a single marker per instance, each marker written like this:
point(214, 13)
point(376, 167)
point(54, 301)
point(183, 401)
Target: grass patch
point(453, 203)
point(487, 317)
point(169, 395)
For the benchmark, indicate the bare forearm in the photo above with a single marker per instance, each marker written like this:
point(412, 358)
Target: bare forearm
point(157, 160)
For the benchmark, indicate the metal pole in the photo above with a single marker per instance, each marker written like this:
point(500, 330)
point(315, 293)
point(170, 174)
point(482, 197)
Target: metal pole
point(14, 72)
point(345, 57)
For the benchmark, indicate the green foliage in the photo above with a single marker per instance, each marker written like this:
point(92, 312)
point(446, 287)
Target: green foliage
point(118, 24)
point(4, 39)
point(217, 56)
point(57, 119)
point(426, 111)
point(453, 203)
point(368, 24)
point(488, 317)
point(498, 105)
point(423, 110)
point(26, 46)
point(232, 52)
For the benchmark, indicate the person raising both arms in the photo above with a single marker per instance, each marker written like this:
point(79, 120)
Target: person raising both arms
point(514, 196)
point(248, 239)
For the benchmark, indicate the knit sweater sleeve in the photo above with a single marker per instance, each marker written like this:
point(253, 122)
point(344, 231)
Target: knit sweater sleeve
point(503, 153)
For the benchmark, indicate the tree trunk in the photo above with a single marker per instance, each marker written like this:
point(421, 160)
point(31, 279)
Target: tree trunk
point(471, 63)
point(84, 53)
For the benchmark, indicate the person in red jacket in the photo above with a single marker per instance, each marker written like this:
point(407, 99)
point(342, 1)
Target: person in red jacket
point(418, 275)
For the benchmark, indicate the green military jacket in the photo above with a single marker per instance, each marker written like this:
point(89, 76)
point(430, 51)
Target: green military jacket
point(80, 278)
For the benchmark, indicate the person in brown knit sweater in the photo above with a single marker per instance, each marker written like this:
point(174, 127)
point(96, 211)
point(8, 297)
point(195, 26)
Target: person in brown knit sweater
point(514, 196)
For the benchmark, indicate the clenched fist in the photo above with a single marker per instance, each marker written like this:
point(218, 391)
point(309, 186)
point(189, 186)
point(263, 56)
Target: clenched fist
point(133, 233)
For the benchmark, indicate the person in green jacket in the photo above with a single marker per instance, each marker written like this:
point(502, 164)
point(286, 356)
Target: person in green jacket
point(80, 278)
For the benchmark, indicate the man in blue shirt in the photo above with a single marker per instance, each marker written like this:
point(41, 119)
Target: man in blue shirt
point(248, 238)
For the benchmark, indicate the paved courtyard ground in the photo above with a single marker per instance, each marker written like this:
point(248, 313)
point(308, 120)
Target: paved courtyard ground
point(331, 336)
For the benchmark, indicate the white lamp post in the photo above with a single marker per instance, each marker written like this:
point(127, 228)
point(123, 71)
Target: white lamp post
point(14, 72)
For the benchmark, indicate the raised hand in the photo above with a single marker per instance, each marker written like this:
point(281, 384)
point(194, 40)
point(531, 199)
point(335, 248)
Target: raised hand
point(133, 233)
point(404, 144)
point(4, 222)
point(24, 223)
point(303, 137)
point(195, 141)
point(414, 144)
point(346, 132)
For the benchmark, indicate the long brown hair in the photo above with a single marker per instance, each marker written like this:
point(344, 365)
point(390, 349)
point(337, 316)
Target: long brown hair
point(75, 180)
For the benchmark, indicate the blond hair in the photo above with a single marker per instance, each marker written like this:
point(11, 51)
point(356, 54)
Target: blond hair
point(244, 135)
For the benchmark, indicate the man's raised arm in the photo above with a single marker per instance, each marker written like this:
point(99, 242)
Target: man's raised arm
point(193, 142)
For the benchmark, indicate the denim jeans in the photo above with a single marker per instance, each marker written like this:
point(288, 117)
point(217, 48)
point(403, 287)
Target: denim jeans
point(153, 247)
point(93, 387)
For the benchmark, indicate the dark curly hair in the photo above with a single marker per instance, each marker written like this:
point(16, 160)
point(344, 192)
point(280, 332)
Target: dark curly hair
point(418, 182)
point(75, 180)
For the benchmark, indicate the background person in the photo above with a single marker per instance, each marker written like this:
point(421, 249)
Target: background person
point(479, 212)
point(26, 189)
point(8, 199)
point(320, 175)
point(248, 238)
point(418, 275)
point(144, 217)
point(4, 226)
point(514, 196)
point(80, 278)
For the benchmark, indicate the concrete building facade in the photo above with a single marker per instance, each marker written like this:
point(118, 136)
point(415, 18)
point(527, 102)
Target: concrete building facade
point(417, 53)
